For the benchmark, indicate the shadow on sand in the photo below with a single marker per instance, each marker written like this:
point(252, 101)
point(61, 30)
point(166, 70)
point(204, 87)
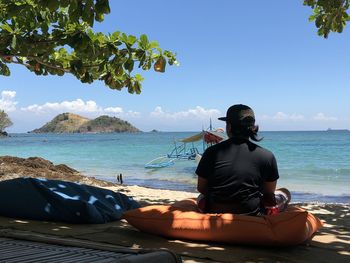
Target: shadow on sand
point(330, 244)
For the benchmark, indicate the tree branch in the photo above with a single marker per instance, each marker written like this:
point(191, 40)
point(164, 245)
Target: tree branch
point(38, 60)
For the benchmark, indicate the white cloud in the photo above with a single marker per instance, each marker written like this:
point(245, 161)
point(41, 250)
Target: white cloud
point(78, 106)
point(323, 117)
point(71, 106)
point(7, 101)
point(133, 113)
point(120, 111)
point(114, 110)
point(281, 116)
point(198, 112)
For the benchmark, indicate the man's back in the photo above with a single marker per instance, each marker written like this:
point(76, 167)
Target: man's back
point(236, 170)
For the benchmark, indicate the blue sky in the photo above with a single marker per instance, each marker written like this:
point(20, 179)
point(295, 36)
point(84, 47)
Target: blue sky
point(265, 54)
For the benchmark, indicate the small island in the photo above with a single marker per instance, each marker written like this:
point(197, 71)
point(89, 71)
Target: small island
point(73, 123)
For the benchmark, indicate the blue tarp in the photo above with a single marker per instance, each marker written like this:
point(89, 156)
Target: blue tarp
point(54, 200)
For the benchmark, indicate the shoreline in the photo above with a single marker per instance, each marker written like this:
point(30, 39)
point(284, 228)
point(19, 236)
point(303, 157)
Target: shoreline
point(299, 197)
point(126, 187)
point(152, 194)
point(14, 167)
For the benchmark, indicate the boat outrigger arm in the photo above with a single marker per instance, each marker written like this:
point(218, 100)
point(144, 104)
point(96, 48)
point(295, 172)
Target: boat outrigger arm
point(160, 162)
point(184, 151)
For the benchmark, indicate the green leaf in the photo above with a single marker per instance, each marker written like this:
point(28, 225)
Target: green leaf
point(52, 5)
point(99, 17)
point(102, 6)
point(124, 38)
point(65, 3)
point(147, 65)
point(119, 71)
point(76, 66)
point(4, 70)
point(131, 40)
point(144, 41)
point(153, 44)
point(312, 18)
point(14, 42)
point(129, 65)
point(7, 27)
point(115, 36)
point(45, 28)
point(138, 77)
point(87, 78)
point(88, 14)
point(137, 87)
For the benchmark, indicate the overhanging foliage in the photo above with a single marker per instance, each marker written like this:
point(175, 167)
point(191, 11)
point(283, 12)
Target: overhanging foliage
point(329, 15)
point(56, 37)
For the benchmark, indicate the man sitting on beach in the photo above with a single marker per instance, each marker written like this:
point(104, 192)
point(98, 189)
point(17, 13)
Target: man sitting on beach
point(238, 176)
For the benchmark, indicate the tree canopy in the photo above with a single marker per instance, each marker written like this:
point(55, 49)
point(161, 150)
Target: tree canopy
point(5, 121)
point(329, 15)
point(56, 37)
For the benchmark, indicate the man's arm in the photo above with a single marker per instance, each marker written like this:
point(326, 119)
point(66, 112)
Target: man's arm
point(202, 185)
point(270, 187)
point(269, 193)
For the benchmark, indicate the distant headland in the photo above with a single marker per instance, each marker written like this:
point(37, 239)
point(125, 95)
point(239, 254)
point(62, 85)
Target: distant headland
point(73, 123)
point(330, 129)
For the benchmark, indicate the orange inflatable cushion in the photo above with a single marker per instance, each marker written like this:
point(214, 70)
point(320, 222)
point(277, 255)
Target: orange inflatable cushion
point(183, 221)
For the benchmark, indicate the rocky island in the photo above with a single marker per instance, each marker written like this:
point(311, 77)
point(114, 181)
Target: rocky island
point(73, 123)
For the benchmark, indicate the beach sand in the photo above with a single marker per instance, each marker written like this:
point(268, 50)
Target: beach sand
point(330, 244)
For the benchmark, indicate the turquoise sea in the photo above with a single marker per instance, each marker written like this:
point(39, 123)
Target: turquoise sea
point(314, 165)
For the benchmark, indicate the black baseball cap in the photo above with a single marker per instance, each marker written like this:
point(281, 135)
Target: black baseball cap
point(239, 114)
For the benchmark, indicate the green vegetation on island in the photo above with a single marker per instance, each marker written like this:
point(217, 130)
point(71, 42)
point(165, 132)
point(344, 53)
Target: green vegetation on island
point(73, 123)
point(107, 124)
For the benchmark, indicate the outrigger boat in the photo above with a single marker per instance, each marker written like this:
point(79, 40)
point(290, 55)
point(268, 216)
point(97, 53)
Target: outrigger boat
point(186, 149)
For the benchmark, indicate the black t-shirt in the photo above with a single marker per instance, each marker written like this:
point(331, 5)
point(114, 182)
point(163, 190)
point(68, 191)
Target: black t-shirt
point(236, 170)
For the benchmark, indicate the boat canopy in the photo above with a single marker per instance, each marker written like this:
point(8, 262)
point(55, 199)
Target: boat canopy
point(211, 137)
point(193, 138)
point(208, 136)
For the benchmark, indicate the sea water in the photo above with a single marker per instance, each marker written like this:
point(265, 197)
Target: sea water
point(314, 165)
